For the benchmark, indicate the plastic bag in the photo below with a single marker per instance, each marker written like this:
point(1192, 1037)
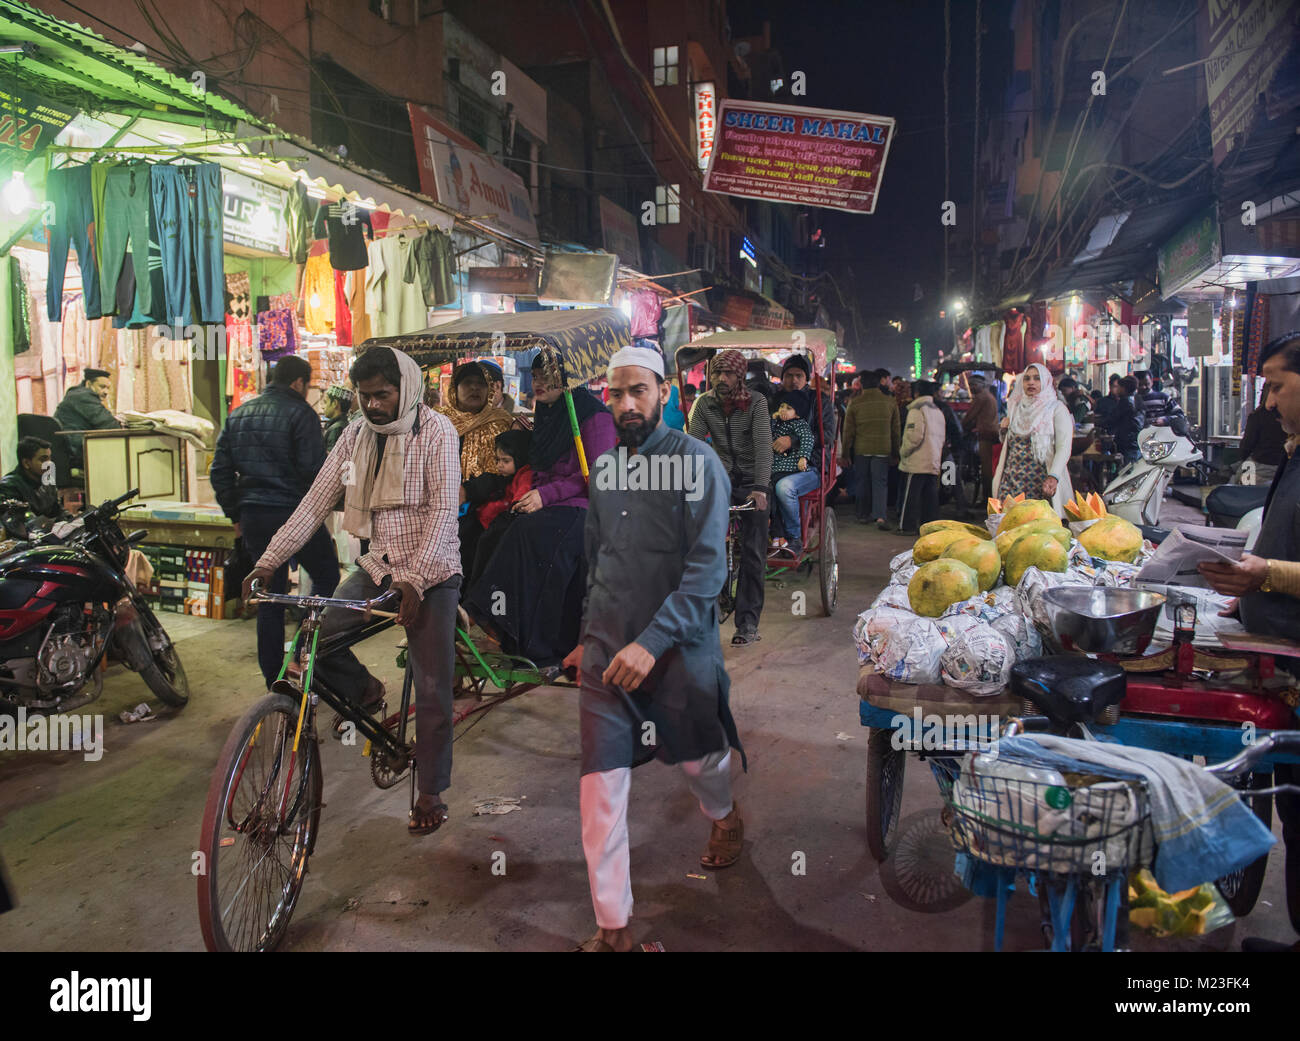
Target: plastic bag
point(979, 660)
point(1193, 912)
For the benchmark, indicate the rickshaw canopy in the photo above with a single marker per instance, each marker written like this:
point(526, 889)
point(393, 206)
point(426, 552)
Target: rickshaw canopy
point(820, 343)
point(585, 338)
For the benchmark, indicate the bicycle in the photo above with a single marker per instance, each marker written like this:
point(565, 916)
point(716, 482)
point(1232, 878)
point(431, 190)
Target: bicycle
point(1016, 826)
point(727, 598)
point(262, 813)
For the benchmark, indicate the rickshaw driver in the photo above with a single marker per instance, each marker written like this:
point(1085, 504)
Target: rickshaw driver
point(652, 674)
point(1267, 582)
point(399, 473)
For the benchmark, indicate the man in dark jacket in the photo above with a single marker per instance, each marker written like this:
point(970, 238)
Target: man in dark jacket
point(267, 456)
point(338, 400)
point(872, 433)
point(981, 419)
point(82, 408)
point(25, 482)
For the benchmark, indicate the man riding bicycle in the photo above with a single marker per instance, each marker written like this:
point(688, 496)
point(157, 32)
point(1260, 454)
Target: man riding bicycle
point(399, 473)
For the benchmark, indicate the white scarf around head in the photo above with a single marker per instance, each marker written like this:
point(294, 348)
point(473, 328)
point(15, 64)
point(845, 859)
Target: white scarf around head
point(369, 491)
point(1035, 417)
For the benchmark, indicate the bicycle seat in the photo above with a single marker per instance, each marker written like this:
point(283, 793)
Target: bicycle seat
point(1069, 688)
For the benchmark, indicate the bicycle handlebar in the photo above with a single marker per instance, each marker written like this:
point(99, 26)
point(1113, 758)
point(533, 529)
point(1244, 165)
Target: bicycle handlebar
point(366, 606)
point(1286, 741)
point(748, 504)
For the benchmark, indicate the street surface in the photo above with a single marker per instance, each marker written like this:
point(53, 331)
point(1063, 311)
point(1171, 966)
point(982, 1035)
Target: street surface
point(101, 852)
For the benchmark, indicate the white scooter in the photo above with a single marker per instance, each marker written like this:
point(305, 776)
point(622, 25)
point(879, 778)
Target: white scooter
point(1138, 491)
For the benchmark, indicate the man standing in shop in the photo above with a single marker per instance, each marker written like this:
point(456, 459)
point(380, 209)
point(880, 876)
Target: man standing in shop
point(84, 408)
point(267, 456)
point(738, 424)
point(653, 680)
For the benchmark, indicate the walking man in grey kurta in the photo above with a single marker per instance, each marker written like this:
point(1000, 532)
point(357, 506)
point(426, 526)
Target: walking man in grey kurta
point(653, 679)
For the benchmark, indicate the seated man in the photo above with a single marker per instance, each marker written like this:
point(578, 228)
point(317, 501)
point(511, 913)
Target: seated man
point(83, 408)
point(27, 482)
point(399, 473)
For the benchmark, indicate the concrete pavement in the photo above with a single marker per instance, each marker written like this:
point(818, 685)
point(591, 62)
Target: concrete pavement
point(100, 852)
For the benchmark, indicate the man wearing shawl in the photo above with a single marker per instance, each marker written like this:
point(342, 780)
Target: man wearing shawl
point(476, 419)
point(1040, 433)
point(739, 426)
point(399, 473)
point(653, 680)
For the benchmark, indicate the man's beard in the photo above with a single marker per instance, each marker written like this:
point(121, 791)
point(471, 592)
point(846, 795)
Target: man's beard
point(634, 435)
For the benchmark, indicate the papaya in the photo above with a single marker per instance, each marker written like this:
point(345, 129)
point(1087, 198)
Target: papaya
point(979, 554)
point(930, 547)
point(939, 584)
point(1036, 549)
point(1024, 512)
point(1112, 538)
point(1046, 525)
point(930, 527)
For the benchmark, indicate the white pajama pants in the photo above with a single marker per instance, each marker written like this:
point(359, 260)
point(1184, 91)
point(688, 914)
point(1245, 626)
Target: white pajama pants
point(603, 805)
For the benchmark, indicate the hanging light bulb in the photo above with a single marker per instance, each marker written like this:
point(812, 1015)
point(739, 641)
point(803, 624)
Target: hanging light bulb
point(17, 195)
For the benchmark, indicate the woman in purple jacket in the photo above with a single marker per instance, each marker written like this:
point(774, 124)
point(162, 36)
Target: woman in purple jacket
point(530, 594)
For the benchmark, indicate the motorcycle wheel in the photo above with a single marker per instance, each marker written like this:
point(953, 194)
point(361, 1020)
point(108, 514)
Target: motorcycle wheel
point(166, 676)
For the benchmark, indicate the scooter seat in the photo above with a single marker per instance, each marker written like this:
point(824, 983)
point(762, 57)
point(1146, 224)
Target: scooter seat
point(1231, 502)
point(1069, 688)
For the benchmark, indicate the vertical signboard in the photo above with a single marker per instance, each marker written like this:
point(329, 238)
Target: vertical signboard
point(704, 123)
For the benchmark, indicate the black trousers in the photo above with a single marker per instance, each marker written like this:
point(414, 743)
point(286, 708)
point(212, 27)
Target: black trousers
point(753, 564)
point(920, 500)
point(258, 525)
point(1288, 812)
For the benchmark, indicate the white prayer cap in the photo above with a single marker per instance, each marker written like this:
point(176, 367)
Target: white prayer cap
point(643, 356)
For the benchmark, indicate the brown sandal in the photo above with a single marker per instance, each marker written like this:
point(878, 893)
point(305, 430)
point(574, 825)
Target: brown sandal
point(426, 822)
point(725, 841)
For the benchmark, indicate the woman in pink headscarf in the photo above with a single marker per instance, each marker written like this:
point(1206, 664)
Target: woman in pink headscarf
point(1039, 433)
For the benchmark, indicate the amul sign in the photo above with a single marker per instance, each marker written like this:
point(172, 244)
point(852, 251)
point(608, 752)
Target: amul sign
point(705, 127)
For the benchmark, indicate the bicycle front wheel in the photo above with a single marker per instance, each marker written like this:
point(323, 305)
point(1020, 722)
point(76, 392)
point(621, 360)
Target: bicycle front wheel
point(259, 828)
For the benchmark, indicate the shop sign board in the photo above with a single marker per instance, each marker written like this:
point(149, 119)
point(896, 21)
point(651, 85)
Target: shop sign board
point(28, 125)
point(747, 313)
point(805, 156)
point(502, 281)
point(1245, 43)
point(705, 123)
point(1192, 250)
point(619, 233)
point(253, 214)
point(1200, 329)
point(455, 173)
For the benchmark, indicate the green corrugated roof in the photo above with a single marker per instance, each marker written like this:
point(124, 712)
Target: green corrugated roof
point(76, 65)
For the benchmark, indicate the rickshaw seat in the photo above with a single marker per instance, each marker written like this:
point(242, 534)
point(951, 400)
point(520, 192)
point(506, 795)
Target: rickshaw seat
point(1069, 688)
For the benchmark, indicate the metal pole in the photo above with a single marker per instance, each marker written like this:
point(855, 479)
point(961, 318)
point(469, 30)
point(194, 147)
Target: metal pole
point(577, 434)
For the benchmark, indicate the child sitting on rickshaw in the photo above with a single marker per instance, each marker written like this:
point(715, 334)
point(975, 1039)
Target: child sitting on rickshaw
point(791, 475)
point(513, 480)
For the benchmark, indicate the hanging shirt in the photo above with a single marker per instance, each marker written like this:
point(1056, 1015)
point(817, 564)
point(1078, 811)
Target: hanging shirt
point(395, 306)
point(346, 224)
point(431, 264)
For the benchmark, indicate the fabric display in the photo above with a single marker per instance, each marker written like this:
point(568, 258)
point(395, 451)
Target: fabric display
point(646, 309)
point(299, 216)
point(997, 331)
point(20, 328)
point(318, 295)
point(239, 301)
point(395, 306)
point(70, 191)
point(1259, 332)
point(345, 224)
point(172, 220)
point(1013, 344)
point(204, 181)
point(431, 262)
point(342, 316)
point(277, 333)
point(356, 301)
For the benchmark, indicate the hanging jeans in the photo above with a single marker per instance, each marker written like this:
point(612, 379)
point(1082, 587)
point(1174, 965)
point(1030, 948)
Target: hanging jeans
point(171, 214)
point(69, 189)
point(206, 201)
point(126, 218)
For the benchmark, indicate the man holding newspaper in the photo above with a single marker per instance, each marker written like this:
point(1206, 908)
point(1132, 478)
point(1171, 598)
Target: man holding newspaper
point(1267, 582)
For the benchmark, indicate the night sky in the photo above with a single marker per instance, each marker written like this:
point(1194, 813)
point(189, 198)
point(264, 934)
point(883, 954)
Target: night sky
point(885, 57)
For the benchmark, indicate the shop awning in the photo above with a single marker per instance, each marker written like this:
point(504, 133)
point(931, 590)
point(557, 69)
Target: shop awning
point(585, 338)
point(820, 342)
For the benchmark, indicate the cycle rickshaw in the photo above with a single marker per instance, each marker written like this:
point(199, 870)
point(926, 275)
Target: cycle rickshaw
point(262, 813)
point(816, 521)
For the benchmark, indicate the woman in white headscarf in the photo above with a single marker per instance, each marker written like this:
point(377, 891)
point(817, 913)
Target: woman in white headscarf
point(1039, 433)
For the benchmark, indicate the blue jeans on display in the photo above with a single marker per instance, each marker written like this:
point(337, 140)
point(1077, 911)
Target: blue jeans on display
point(171, 212)
point(207, 222)
point(74, 220)
point(871, 486)
point(258, 525)
point(788, 490)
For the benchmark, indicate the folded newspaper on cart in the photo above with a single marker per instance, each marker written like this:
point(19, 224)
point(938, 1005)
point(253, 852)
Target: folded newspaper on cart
point(1175, 561)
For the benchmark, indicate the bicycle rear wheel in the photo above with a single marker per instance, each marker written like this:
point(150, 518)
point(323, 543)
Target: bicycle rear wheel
point(259, 828)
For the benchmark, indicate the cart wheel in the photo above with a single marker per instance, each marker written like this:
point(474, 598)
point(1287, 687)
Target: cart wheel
point(829, 564)
point(885, 768)
point(1241, 888)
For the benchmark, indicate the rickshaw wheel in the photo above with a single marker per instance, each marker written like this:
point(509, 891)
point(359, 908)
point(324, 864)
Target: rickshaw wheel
point(1241, 889)
point(828, 563)
point(886, 766)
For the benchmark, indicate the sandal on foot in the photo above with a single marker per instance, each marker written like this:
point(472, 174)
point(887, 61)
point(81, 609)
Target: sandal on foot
point(744, 637)
point(725, 841)
point(426, 822)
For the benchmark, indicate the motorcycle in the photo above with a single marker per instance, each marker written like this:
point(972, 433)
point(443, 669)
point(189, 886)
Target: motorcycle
point(1138, 491)
point(65, 603)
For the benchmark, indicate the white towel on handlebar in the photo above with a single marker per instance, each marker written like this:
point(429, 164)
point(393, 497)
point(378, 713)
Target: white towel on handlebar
point(1202, 828)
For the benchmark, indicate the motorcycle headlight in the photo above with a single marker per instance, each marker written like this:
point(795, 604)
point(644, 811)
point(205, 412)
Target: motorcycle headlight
point(1126, 492)
point(1154, 451)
